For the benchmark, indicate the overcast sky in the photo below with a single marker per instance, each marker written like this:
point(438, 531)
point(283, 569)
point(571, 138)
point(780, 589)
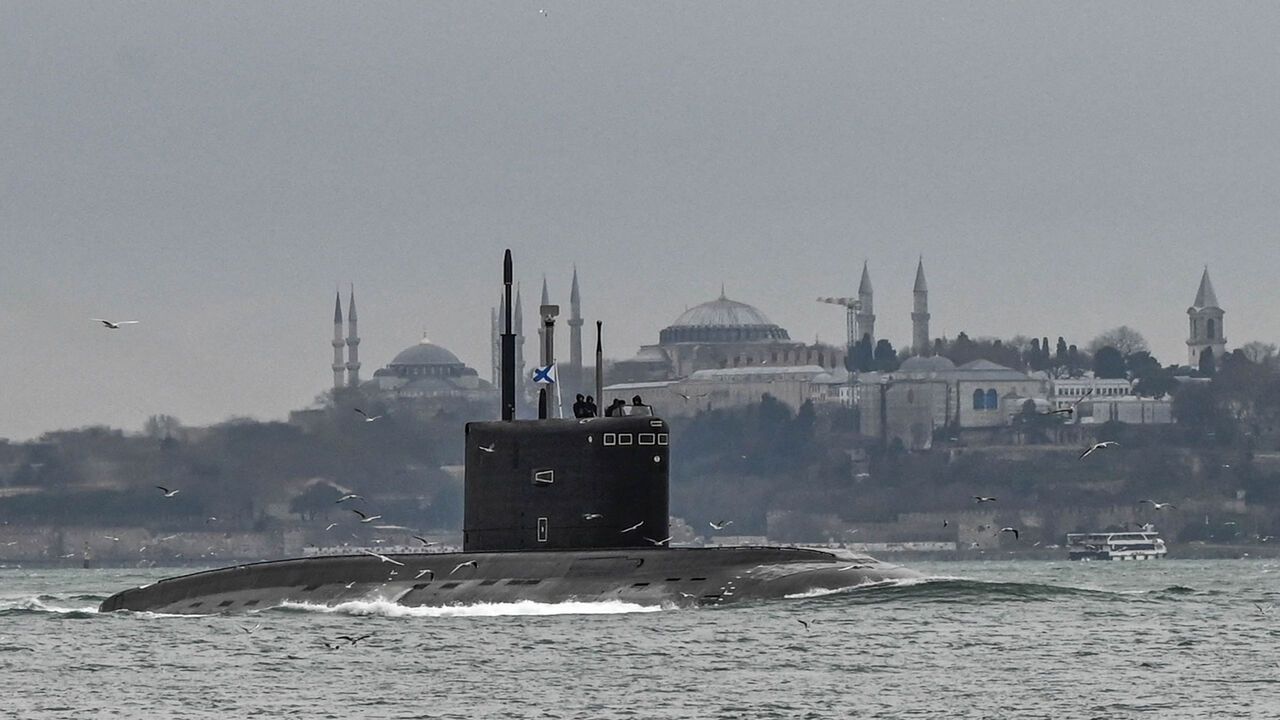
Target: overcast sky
point(217, 170)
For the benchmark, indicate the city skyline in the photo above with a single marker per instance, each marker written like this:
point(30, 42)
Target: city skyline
point(216, 172)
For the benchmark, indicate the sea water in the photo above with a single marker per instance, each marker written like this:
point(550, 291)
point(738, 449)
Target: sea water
point(997, 639)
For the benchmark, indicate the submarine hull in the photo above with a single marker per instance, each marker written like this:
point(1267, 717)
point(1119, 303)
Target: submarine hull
point(682, 577)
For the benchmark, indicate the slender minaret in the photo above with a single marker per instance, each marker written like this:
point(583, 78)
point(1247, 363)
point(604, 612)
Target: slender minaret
point(338, 365)
point(522, 382)
point(353, 343)
point(866, 311)
point(542, 332)
point(575, 334)
point(920, 314)
point(495, 337)
point(1206, 323)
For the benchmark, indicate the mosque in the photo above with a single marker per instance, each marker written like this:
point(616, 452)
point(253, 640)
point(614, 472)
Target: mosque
point(725, 353)
point(423, 377)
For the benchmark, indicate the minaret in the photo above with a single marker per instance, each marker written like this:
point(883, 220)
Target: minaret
point(866, 310)
point(338, 365)
point(353, 343)
point(575, 332)
point(517, 329)
point(1206, 323)
point(920, 314)
point(546, 300)
point(495, 338)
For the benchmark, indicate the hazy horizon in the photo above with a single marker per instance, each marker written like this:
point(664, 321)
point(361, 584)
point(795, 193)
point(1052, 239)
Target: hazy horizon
point(217, 171)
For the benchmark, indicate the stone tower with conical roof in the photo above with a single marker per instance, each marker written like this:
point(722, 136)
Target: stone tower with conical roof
point(1206, 323)
point(865, 318)
point(920, 314)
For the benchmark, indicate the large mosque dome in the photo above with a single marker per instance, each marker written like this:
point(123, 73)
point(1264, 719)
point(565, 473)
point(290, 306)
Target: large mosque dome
point(722, 320)
point(424, 353)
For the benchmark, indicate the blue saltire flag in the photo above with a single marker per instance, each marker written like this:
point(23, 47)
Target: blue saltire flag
point(545, 375)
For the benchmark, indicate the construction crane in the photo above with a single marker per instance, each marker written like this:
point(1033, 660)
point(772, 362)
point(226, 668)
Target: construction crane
point(852, 306)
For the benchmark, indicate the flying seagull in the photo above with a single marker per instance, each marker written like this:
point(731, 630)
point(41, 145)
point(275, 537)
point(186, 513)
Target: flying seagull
point(1098, 446)
point(116, 325)
point(1159, 505)
point(354, 640)
point(424, 571)
point(250, 629)
point(365, 518)
point(982, 498)
point(802, 622)
point(167, 492)
point(487, 448)
point(112, 538)
point(663, 541)
point(720, 525)
point(383, 558)
point(592, 516)
point(348, 496)
point(633, 527)
point(367, 416)
point(459, 566)
point(425, 542)
point(1009, 529)
point(330, 527)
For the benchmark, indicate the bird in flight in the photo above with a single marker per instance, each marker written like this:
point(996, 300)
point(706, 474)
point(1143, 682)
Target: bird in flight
point(365, 518)
point(982, 498)
point(383, 558)
point(1009, 529)
point(367, 417)
point(112, 538)
point(804, 623)
point(633, 527)
point(424, 571)
point(354, 640)
point(167, 492)
point(663, 541)
point(1159, 505)
point(459, 566)
point(720, 525)
point(592, 516)
point(425, 542)
point(348, 496)
point(110, 325)
point(250, 630)
point(487, 448)
point(1098, 446)
point(331, 526)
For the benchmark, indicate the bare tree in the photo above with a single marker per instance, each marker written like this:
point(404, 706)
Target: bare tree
point(161, 427)
point(1124, 338)
point(1259, 352)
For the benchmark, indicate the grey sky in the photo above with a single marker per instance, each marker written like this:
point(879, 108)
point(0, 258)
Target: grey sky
point(216, 171)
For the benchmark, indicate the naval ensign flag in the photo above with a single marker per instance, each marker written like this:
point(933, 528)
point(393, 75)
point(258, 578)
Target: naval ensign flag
point(545, 375)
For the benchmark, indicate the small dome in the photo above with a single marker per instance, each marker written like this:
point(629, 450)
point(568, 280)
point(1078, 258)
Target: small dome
point(721, 312)
point(933, 363)
point(425, 353)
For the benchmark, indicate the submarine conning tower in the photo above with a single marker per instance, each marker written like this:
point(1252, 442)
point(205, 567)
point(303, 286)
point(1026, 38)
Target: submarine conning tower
point(568, 484)
point(561, 484)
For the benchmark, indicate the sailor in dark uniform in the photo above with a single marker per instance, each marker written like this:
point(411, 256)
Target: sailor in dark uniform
point(589, 408)
point(580, 407)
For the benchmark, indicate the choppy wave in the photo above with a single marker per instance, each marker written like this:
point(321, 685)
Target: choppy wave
point(386, 608)
point(70, 606)
point(951, 590)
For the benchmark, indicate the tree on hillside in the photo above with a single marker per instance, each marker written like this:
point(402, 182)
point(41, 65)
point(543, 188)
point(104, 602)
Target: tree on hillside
point(1123, 338)
point(885, 358)
point(1259, 352)
point(1108, 363)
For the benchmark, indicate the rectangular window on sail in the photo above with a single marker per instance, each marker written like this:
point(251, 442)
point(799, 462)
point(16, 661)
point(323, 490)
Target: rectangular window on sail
point(624, 438)
point(646, 438)
point(662, 438)
point(542, 529)
point(611, 438)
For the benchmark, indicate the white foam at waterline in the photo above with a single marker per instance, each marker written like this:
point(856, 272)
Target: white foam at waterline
point(870, 585)
point(386, 608)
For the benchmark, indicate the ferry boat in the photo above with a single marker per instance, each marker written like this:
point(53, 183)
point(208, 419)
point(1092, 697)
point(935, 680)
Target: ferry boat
point(1145, 545)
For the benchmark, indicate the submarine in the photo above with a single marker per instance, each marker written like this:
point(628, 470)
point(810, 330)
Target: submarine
point(554, 510)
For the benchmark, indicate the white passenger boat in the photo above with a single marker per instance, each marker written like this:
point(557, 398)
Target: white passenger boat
point(1145, 545)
